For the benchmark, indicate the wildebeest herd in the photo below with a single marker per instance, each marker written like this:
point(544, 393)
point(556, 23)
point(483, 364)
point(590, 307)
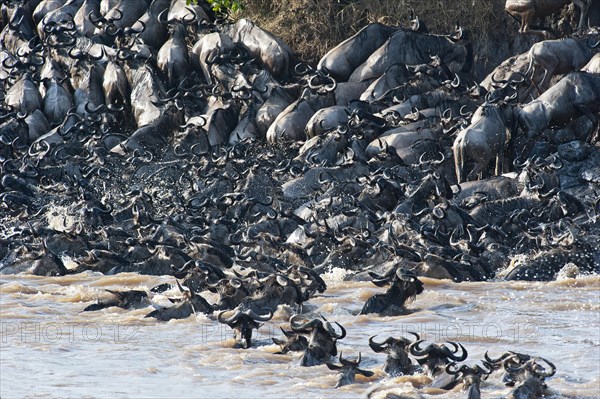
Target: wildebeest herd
point(149, 137)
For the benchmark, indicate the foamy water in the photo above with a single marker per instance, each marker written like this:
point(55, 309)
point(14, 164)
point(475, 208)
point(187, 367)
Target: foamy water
point(49, 348)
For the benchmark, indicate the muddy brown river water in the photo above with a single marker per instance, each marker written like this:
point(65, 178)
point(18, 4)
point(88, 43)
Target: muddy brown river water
point(49, 348)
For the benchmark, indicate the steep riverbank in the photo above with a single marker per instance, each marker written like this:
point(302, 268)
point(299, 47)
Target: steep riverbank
point(311, 27)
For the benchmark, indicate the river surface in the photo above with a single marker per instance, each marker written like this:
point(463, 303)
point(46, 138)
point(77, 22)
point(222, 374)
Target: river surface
point(49, 348)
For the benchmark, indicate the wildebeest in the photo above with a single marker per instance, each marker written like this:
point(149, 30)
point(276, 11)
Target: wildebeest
point(483, 140)
point(509, 362)
point(348, 370)
point(413, 48)
point(344, 58)
point(493, 188)
point(530, 377)
point(153, 138)
point(274, 54)
point(172, 58)
point(274, 290)
point(560, 56)
point(192, 303)
point(24, 95)
point(470, 377)
point(291, 122)
point(578, 93)
point(243, 321)
point(322, 340)
point(293, 342)
point(397, 361)
point(435, 357)
point(123, 299)
point(528, 10)
point(404, 286)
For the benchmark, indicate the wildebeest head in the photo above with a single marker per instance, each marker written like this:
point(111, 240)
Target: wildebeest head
point(243, 322)
point(405, 286)
point(434, 357)
point(232, 292)
point(470, 377)
point(198, 275)
point(292, 343)
point(321, 341)
point(512, 360)
point(531, 376)
point(308, 280)
point(397, 361)
point(539, 176)
point(348, 370)
point(283, 288)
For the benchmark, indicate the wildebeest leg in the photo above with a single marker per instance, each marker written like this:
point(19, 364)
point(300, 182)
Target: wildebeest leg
point(584, 109)
point(499, 164)
point(500, 154)
point(522, 21)
point(548, 72)
point(526, 16)
point(538, 30)
point(584, 6)
point(478, 170)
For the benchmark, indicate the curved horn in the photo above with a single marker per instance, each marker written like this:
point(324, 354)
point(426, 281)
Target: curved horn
point(97, 58)
point(134, 31)
point(96, 22)
point(232, 319)
point(555, 162)
point(456, 82)
point(75, 53)
point(417, 336)
point(498, 81)
point(261, 318)
point(303, 326)
point(452, 369)
point(379, 347)
point(415, 350)
point(545, 373)
point(162, 17)
point(331, 86)
point(194, 17)
point(453, 355)
point(342, 334)
point(592, 45)
point(508, 367)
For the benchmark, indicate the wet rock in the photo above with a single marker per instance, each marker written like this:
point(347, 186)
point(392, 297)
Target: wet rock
point(591, 175)
point(574, 151)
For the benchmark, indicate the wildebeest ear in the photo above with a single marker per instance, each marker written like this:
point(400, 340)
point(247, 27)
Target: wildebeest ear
point(333, 367)
point(366, 373)
point(278, 341)
point(381, 283)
